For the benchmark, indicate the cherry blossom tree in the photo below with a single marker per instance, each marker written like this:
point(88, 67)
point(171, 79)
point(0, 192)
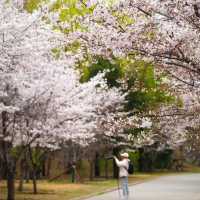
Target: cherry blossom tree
point(163, 31)
point(42, 102)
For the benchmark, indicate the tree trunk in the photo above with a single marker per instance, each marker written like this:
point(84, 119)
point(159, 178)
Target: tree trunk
point(34, 182)
point(91, 170)
point(2, 170)
point(8, 160)
point(27, 167)
point(34, 168)
point(73, 174)
point(97, 167)
point(115, 168)
point(11, 185)
point(27, 174)
point(21, 180)
point(0, 178)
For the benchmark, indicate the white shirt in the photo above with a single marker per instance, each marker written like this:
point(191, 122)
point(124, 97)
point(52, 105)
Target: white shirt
point(123, 166)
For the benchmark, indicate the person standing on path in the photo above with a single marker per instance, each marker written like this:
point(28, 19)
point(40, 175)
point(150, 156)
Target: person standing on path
point(123, 165)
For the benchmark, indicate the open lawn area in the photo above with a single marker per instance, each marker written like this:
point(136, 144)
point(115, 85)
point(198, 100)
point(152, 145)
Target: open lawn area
point(60, 190)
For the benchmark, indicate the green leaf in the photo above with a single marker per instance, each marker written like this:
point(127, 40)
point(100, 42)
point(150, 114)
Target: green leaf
point(73, 47)
point(114, 71)
point(56, 52)
point(31, 5)
point(123, 19)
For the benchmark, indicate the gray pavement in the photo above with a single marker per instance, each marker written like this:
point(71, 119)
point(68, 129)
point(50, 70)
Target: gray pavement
point(173, 187)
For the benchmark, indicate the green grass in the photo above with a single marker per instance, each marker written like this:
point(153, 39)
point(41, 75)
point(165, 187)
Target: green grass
point(191, 168)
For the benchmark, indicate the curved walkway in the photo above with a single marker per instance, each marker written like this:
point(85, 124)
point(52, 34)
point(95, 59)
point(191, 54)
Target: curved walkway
point(174, 187)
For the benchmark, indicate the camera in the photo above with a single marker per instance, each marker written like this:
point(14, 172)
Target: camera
point(109, 157)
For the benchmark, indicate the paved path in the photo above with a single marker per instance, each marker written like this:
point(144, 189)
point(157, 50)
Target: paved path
point(174, 187)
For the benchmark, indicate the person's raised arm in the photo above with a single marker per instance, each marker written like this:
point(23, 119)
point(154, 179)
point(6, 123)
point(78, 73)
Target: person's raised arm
point(119, 163)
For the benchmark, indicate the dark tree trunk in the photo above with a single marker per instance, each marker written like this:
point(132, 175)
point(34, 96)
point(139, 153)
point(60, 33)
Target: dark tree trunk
point(97, 167)
point(11, 185)
point(27, 174)
point(34, 171)
point(91, 170)
point(73, 174)
point(2, 170)
point(8, 161)
point(0, 177)
point(141, 160)
point(34, 182)
point(27, 167)
point(115, 168)
point(44, 169)
point(21, 180)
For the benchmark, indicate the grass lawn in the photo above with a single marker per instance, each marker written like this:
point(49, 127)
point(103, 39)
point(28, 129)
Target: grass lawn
point(191, 168)
point(60, 190)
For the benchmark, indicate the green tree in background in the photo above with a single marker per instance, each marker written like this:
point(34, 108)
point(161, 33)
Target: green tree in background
point(145, 90)
point(31, 5)
point(113, 71)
